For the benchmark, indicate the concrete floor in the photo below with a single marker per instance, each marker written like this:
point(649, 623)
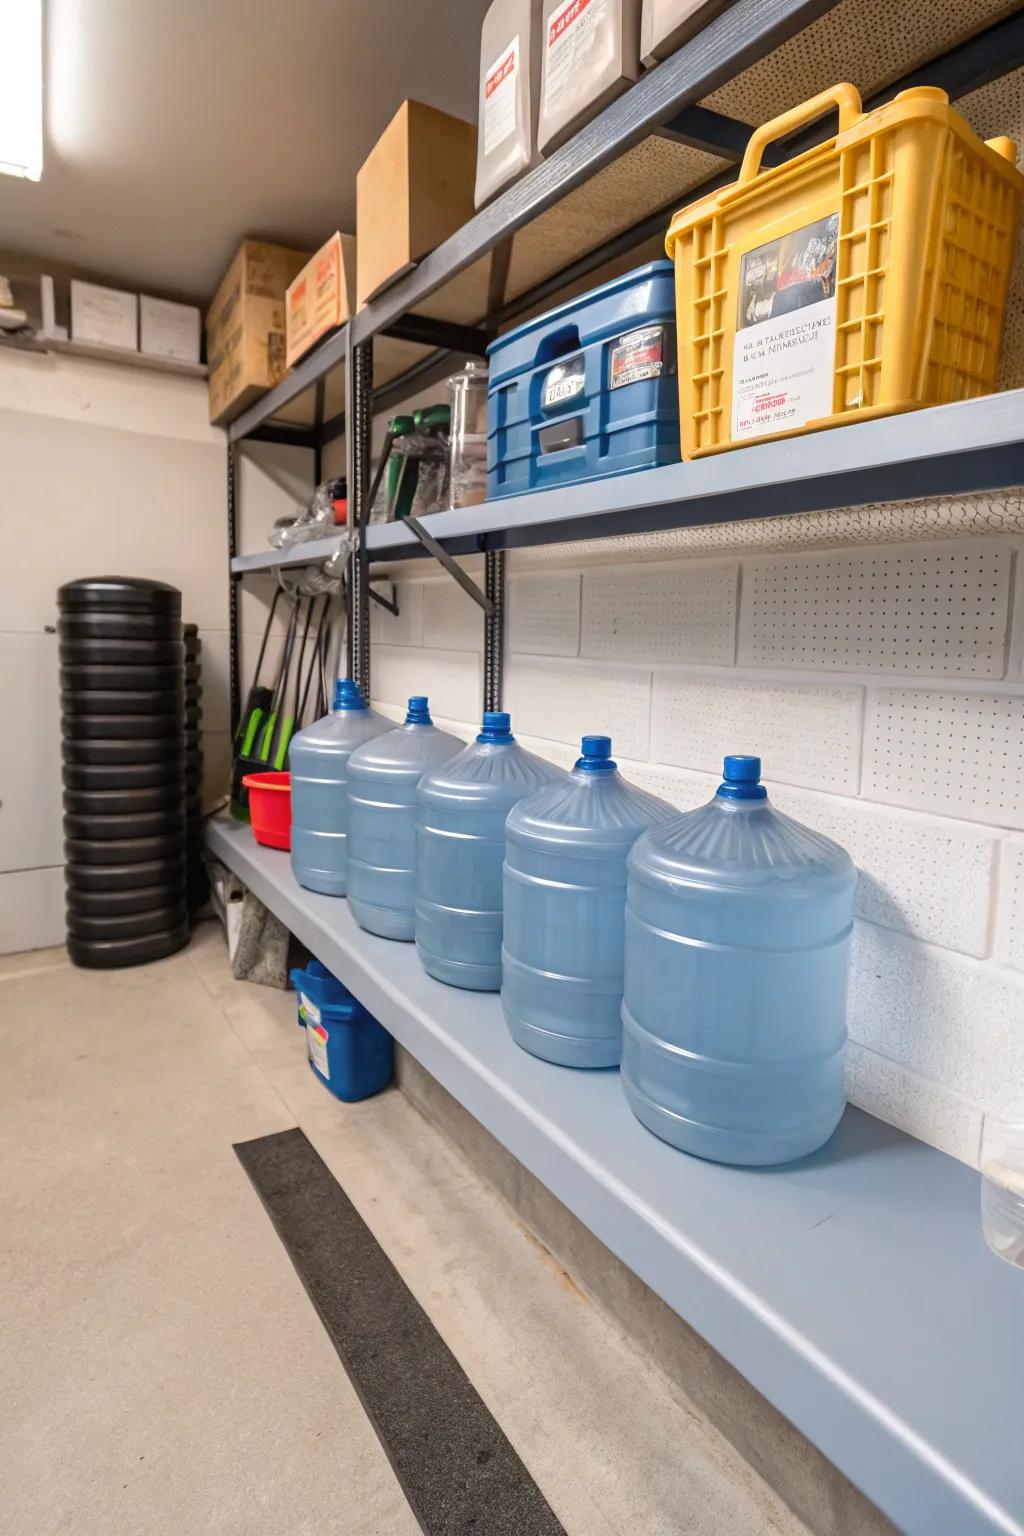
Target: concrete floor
point(161, 1369)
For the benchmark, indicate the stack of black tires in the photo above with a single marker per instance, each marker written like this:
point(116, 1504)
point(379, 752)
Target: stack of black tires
point(197, 887)
point(122, 674)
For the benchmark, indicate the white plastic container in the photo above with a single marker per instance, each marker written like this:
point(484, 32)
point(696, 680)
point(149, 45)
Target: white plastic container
point(591, 54)
point(509, 98)
point(666, 25)
point(1002, 1185)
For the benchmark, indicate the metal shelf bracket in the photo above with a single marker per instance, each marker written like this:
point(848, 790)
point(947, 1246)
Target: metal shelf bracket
point(441, 555)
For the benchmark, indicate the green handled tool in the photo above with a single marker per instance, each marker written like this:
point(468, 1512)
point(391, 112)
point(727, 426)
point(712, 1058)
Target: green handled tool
point(278, 732)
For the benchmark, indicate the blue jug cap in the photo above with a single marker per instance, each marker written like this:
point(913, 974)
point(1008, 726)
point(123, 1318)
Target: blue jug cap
point(741, 778)
point(497, 726)
point(418, 712)
point(597, 755)
point(347, 695)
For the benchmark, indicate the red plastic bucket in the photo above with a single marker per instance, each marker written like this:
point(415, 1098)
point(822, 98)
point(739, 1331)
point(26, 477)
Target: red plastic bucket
point(270, 808)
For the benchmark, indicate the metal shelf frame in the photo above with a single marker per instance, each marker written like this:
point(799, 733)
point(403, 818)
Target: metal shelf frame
point(880, 460)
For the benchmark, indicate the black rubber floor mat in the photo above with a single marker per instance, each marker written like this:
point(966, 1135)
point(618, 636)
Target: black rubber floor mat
point(455, 1466)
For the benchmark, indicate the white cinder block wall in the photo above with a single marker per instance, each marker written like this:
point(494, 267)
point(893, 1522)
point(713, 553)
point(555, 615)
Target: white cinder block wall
point(883, 688)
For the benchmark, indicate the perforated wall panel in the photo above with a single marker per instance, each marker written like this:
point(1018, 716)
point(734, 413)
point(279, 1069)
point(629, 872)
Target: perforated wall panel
point(955, 753)
point(919, 1107)
point(407, 627)
point(1000, 512)
point(544, 614)
point(452, 621)
point(940, 610)
point(558, 752)
point(661, 613)
point(678, 786)
point(1010, 928)
point(921, 875)
point(563, 702)
point(451, 679)
point(951, 1020)
point(807, 735)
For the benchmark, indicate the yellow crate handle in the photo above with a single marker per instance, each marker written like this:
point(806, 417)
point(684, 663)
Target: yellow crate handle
point(845, 97)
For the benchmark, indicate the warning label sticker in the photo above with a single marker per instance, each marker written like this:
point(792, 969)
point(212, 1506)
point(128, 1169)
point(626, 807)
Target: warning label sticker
point(500, 87)
point(316, 1044)
point(784, 350)
point(640, 355)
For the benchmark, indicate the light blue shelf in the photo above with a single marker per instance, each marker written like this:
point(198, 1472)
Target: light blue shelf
point(853, 1290)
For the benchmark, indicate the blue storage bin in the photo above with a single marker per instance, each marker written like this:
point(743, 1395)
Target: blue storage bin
point(348, 1050)
point(587, 390)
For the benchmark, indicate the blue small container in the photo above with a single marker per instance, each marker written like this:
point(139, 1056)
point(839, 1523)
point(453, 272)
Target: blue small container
point(587, 390)
point(349, 1051)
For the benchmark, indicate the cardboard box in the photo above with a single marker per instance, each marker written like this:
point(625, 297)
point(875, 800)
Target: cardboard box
point(105, 317)
point(169, 330)
point(321, 297)
point(245, 326)
point(413, 191)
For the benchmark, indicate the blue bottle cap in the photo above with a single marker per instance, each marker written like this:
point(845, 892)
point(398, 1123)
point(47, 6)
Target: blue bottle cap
point(597, 755)
point(741, 778)
point(347, 695)
point(497, 726)
point(418, 712)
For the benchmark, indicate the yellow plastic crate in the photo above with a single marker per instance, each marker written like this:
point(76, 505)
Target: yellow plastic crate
point(864, 277)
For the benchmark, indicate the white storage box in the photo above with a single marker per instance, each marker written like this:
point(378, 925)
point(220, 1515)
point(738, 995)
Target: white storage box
point(666, 25)
point(509, 99)
point(106, 317)
point(169, 330)
point(591, 54)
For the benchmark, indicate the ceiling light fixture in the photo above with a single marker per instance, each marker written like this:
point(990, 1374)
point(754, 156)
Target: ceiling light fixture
point(21, 94)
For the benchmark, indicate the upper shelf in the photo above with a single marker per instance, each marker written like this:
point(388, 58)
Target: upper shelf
point(853, 1289)
point(947, 450)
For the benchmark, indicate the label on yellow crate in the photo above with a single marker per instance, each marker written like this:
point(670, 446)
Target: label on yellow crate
point(784, 352)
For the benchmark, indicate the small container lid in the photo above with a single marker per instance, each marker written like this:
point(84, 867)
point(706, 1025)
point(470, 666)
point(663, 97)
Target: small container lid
point(741, 778)
point(597, 755)
point(497, 726)
point(418, 712)
point(347, 695)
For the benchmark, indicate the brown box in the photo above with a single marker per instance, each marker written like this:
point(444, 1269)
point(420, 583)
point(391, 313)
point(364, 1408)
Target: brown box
point(320, 298)
point(414, 190)
point(245, 326)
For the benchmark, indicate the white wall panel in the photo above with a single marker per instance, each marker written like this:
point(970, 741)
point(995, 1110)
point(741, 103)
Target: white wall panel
point(544, 614)
point(955, 753)
point(405, 627)
point(565, 701)
point(31, 831)
point(451, 679)
point(1010, 920)
point(951, 1020)
point(678, 612)
point(917, 1106)
point(940, 610)
point(452, 621)
point(808, 735)
point(31, 909)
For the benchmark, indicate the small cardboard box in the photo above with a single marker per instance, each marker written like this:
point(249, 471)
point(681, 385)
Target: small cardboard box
point(414, 190)
point(321, 297)
point(245, 326)
point(169, 330)
point(104, 317)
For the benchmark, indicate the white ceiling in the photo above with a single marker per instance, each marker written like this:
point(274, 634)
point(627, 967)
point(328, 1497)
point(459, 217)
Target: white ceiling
point(175, 127)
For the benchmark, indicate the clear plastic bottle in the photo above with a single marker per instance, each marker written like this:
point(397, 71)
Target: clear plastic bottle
point(382, 778)
point(565, 897)
point(738, 923)
point(460, 845)
point(1002, 1185)
point(318, 759)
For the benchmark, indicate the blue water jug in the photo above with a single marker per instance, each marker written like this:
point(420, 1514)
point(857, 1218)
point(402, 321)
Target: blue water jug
point(738, 924)
point(348, 1050)
point(318, 759)
point(382, 779)
point(460, 846)
point(565, 897)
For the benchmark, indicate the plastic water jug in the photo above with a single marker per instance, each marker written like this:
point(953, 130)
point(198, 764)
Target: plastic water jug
point(382, 778)
point(318, 758)
point(565, 897)
point(460, 846)
point(738, 925)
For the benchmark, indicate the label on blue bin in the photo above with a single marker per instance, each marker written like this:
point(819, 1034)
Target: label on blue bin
point(316, 1044)
point(640, 355)
point(308, 1010)
point(564, 382)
